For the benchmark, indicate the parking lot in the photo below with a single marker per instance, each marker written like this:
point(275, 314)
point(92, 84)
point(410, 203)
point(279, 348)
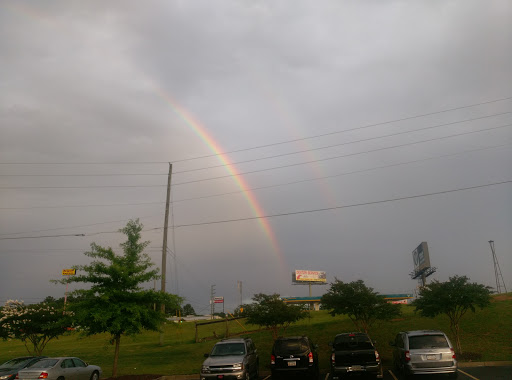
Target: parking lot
point(465, 373)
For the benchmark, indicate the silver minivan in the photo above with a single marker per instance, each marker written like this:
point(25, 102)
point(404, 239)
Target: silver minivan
point(423, 352)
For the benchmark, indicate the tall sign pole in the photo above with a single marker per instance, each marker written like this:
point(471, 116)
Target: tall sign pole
point(164, 245)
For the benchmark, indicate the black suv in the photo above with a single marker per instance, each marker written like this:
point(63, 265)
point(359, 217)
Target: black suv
point(354, 353)
point(231, 359)
point(294, 355)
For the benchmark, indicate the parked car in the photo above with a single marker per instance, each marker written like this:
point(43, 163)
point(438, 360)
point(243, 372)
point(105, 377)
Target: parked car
point(9, 369)
point(235, 358)
point(355, 353)
point(294, 355)
point(423, 352)
point(63, 368)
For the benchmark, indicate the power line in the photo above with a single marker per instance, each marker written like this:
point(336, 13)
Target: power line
point(346, 206)
point(343, 143)
point(269, 186)
point(266, 145)
point(343, 155)
point(390, 200)
point(263, 158)
point(267, 169)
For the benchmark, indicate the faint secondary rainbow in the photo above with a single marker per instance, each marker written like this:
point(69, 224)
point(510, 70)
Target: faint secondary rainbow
point(201, 131)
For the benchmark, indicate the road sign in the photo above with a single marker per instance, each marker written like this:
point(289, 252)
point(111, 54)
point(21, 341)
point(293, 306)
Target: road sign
point(68, 272)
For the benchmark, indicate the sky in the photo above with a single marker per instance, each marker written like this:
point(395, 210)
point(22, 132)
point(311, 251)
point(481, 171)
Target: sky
point(329, 136)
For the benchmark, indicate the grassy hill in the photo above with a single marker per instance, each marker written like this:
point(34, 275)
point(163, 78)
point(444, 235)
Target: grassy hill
point(486, 335)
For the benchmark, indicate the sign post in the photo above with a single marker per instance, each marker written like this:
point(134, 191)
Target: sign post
point(67, 272)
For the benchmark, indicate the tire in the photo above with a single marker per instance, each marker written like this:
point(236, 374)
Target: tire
point(248, 376)
point(95, 376)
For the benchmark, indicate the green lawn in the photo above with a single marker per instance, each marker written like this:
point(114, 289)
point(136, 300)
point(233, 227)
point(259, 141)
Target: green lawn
point(486, 334)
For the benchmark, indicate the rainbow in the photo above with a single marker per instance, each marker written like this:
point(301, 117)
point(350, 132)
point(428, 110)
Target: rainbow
point(203, 134)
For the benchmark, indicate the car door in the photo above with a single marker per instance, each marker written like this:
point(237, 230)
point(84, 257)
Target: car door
point(398, 351)
point(68, 369)
point(82, 372)
point(252, 356)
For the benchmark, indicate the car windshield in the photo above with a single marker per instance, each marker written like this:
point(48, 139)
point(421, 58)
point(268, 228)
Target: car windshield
point(427, 341)
point(225, 349)
point(291, 346)
point(352, 342)
point(45, 363)
point(16, 363)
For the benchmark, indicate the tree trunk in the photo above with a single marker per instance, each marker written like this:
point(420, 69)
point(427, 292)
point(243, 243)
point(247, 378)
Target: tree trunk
point(116, 355)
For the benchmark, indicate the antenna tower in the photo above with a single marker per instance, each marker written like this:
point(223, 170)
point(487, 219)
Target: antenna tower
point(497, 271)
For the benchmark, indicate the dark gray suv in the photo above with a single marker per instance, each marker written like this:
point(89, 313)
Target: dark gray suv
point(231, 359)
point(423, 352)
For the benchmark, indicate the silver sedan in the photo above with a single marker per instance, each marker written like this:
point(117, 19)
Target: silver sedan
point(64, 368)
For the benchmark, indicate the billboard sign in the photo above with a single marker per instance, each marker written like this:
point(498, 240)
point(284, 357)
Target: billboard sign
point(309, 276)
point(68, 272)
point(218, 299)
point(421, 257)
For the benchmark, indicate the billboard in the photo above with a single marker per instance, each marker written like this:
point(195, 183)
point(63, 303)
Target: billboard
point(218, 299)
point(309, 276)
point(421, 258)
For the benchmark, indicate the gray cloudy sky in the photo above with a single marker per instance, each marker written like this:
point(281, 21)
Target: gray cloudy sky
point(96, 98)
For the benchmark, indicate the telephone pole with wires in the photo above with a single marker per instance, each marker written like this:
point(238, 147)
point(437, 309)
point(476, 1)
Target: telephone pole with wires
point(497, 270)
point(164, 246)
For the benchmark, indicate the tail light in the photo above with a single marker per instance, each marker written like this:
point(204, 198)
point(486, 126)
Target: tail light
point(272, 359)
point(17, 376)
point(407, 356)
point(310, 357)
point(43, 375)
point(453, 353)
point(333, 358)
point(377, 356)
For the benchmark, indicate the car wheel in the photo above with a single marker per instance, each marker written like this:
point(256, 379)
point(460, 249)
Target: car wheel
point(248, 375)
point(95, 376)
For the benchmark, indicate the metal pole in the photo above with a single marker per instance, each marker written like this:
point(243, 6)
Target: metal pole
point(164, 246)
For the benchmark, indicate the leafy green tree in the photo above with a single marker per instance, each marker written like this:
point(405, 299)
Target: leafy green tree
point(359, 302)
point(272, 312)
point(116, 303)
point(34, 325)
point(188, 310)
point(453, 298)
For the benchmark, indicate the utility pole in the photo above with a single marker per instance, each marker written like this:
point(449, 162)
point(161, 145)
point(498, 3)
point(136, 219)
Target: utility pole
point(497, 270)
point(239, 285)
point(212, 303)
point(164, 246)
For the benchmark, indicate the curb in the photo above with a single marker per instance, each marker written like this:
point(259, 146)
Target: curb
point(485, 364)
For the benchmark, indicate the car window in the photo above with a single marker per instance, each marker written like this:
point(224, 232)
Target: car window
point(291, 346)
point(79, 363)
point(352, 342)
point(67, 363)
point(44, 363)
point(225, 349)
point(427, 341)
point(16, 363)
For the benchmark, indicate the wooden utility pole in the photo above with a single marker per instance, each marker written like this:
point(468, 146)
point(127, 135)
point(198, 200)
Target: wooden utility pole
point(164, 246)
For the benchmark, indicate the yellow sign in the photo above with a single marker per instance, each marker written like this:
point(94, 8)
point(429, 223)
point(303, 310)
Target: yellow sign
point(68, 272)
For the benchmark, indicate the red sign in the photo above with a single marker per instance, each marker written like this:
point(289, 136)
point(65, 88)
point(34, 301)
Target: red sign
point(218, 300)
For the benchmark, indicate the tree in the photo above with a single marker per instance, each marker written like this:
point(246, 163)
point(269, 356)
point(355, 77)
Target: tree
point(116, 303)
point(453, 298)
point(272, 312)
point(188, 310)
point(360, 303)
point(34, 325)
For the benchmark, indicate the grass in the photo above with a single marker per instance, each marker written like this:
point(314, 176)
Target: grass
point(486, 336)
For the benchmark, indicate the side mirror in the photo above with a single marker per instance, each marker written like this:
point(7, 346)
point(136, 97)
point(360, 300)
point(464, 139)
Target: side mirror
point(206, 355)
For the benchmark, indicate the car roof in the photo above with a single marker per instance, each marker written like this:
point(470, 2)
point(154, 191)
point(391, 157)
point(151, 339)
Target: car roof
point(292, 337)
point(353, 333)
point(424, 332)
point(233, 340)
